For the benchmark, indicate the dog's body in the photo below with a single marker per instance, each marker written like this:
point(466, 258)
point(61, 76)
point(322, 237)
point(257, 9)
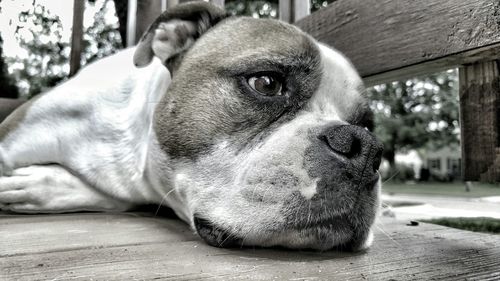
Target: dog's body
point(250, 142)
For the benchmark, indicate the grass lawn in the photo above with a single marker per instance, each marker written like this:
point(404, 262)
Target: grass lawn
point(442, 189)
point(487, 225)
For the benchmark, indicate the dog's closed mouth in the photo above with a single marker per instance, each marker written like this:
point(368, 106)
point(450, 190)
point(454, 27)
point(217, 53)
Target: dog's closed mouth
point(322, 231)
point(214, 235)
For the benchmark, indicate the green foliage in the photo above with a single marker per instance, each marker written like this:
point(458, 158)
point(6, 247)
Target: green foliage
point(40, 34)
point(46, 60)
point(318, 4)
point(417, 113)
point(256, 9)
point(478, 224)
point(101, 39)
point(7, 88)
point(264, 9)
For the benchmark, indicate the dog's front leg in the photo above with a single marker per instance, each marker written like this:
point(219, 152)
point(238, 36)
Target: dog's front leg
point(52, 189)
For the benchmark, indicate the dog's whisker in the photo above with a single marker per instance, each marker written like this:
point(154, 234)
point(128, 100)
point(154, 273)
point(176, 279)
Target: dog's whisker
point(388, 236)
point(391, 177)
point(163, 200)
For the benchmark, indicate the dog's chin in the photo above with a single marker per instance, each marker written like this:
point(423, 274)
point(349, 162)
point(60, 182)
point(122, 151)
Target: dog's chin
point(333, 234)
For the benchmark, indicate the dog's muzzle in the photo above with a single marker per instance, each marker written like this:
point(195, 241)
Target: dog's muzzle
point(344, 159)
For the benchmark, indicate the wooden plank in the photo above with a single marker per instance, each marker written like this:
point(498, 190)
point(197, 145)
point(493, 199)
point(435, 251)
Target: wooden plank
point(480, 121)
point(301, 9)
point(147, 248)
point(76, 37)
point(285, 10)
point(388, 40)
point(71, 232)
point(293, 10)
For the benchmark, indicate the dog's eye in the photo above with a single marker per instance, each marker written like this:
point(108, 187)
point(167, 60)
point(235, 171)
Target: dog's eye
point(266, 85)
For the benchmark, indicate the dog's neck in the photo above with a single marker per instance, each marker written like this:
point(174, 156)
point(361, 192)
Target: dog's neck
point(157, 168)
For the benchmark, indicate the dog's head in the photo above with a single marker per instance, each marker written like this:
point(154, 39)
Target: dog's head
point(267, 131)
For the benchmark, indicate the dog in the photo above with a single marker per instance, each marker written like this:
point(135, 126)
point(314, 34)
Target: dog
point(253, 132)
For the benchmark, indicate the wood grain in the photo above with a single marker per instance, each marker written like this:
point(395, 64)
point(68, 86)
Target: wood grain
point(388, 40)
point(480, 121)
point(137, 246)
point(76, 37)
point(293, 10)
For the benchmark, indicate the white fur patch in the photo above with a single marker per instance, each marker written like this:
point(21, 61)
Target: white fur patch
point(309, 191)
point(338, 94)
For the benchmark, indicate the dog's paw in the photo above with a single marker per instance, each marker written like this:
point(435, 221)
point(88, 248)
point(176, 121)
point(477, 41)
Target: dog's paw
point(51, 189)
point(24, 190)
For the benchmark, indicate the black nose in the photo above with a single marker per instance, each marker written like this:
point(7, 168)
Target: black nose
point(355, 144)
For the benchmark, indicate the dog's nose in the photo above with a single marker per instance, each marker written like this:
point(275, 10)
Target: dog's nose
point(354, 144)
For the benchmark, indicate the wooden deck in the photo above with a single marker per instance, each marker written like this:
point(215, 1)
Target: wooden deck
point(139, 246)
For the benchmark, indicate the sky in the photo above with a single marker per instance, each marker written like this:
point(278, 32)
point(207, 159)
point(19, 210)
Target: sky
point(10, 10)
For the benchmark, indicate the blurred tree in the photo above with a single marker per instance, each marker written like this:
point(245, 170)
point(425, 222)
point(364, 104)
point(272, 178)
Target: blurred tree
point(7, 88)
point(256, 9)
point(417, 113)
point(265, 9)
point(45, 61)
point(318, 4)
point(102, 38)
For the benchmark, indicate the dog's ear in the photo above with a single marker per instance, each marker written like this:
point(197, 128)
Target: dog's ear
point(175, 31)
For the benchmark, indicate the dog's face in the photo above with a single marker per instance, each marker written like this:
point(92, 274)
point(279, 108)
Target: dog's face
point(268, 134)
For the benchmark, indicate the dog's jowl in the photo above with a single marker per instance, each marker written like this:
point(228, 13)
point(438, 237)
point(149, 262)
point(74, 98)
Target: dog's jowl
point(250, 130)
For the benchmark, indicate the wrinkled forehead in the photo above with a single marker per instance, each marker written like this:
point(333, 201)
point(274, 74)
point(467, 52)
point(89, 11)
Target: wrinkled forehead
point(341, 90)
point(244, 40)
point(248, 44)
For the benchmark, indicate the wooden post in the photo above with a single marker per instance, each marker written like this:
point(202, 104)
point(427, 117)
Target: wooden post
point(121, 8)
point(147, 12)
point(302, 8)
point(76, 37)
point(293, 10)
point(285, 10)
point(131, 22)
point(141, 13)
point(479, 121)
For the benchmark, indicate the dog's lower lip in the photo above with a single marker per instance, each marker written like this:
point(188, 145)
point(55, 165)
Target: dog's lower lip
point(214, 235)
point(332, 222)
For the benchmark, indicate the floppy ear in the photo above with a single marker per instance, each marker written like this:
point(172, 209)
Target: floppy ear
point(175, 31)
